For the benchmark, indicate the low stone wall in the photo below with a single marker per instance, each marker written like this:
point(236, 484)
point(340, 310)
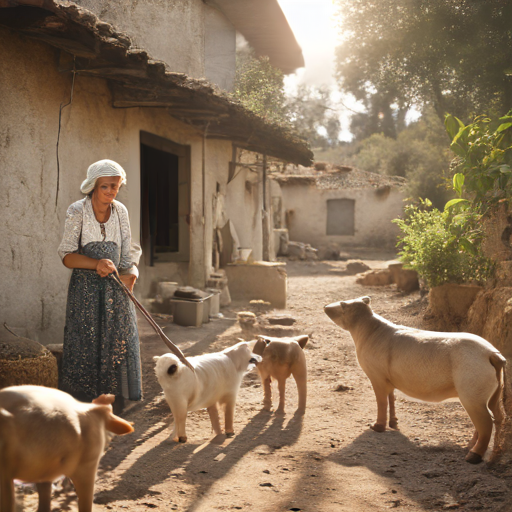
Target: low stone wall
point(260, 280)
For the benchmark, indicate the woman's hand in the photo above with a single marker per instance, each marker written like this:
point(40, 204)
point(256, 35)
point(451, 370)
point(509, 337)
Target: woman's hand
point(105, 267)
point(128, 280)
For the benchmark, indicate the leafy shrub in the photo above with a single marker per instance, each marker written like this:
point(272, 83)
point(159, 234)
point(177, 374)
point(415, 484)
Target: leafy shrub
point(483, 166)
point(442, 247)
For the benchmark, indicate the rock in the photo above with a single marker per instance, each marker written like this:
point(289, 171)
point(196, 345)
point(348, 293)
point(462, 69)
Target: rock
point(246, 317)
point(321, 166)
point(260, 305)
point(311, 253)
point(281, 240)
point(375, 278)
point(281, 320)
point(297, 250)
point(24, 361)
point(432, 473)
point(331, 253)
point(356, 267)
point(451, 302)
point(248, 322)
point(342, 387)
point(406, 280)
point(490, 316)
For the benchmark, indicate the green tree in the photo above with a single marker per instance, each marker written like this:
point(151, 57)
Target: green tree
point(455, 56)
point(259, 86)
point(315, 116)
point(310, 112)
point(419, 153)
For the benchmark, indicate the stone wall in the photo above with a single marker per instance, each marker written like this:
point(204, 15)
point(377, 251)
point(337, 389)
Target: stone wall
point(306, 208)
point(170, 30)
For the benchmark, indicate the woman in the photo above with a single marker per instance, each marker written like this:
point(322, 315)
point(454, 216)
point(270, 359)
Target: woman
point(101, 342)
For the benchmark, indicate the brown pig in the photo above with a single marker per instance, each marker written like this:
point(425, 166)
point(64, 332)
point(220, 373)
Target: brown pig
point(45, 433)
point(430, 366)
point(282, 357)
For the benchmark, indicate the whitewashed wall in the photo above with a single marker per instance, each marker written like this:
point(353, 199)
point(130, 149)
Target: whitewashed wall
point(34, 281)
point(307, 213)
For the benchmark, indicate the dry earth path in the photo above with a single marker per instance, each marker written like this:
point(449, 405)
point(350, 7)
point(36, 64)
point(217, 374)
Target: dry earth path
point(327, 461)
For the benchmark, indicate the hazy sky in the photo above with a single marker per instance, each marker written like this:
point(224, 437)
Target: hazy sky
point(314, 25)
point(312, 22)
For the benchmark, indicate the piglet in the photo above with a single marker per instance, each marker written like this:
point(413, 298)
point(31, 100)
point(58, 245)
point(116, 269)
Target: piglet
point(282, 357)
point(45, 433)
point(430, 366)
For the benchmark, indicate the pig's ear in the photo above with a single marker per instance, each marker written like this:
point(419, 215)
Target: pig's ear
point(366, 299)
point(259, 347)
point(118, 426)
point(302, 340)
point(104, 400)
point(156, 358)
point(113, 423)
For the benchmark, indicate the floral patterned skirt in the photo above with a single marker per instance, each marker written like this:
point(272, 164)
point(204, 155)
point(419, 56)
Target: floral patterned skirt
point(101, 341)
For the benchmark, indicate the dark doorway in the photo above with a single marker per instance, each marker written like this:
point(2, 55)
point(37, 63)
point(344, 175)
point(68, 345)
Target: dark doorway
point(164, 199)
point(160, 187)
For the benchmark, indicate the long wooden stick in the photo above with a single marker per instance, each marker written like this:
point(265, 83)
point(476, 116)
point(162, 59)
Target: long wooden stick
point(153, 324)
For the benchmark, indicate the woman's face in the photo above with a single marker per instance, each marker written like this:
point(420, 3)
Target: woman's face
point(106, 188)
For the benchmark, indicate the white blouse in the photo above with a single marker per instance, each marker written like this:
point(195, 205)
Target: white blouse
point(80, 218)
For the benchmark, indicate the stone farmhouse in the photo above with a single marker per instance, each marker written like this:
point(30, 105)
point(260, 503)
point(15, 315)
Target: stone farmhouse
point(145, 84)
point(340, 208)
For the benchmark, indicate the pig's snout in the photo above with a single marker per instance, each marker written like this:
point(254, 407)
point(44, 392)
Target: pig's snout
point(331, 310)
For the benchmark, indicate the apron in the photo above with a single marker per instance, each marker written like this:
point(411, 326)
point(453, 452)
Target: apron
point(101, 351)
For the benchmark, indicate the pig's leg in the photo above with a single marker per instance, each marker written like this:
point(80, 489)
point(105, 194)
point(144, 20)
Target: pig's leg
point(300, 374)
point(267, 393)
point(83, 480)
point(393, 420)
point(482, 421)
point(495, 405)
point(229, 414)
point(179, 411)
point(281, 385)
point(381, 394)
point(7, 501)
point(44, 490)
point(473, 441)
point(214, 418)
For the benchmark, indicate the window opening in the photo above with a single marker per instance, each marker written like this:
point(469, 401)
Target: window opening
point(340, 217)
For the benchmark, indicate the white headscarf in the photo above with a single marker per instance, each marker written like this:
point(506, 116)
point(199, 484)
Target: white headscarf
point(101, 169)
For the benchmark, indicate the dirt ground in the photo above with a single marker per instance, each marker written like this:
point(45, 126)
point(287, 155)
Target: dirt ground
point(328, 460)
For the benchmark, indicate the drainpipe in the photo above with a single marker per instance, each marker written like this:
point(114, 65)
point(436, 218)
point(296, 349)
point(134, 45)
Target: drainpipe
point(265, 215)
point(203, 165)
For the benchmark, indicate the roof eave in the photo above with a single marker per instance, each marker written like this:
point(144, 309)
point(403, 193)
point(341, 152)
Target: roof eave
point(136, 80)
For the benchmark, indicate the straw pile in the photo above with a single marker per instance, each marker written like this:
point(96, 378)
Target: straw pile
point(24, 361)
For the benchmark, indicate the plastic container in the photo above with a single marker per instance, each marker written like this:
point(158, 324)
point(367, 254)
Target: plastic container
point(214, 301)
point(188, 312)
